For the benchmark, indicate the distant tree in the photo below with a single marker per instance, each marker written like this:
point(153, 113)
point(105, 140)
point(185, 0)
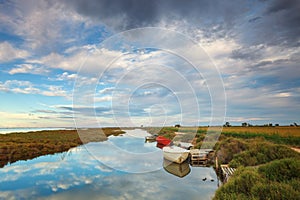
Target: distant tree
point(276, 124)
point(227, 124)
point(244, 124)
point(295, 124)
point(177, 125)
point(270, 124)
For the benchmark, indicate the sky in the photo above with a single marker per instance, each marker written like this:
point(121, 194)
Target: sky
point(152, 63)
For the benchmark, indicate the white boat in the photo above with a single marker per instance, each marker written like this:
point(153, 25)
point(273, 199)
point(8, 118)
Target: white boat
point(185, 145)
point(175, 154)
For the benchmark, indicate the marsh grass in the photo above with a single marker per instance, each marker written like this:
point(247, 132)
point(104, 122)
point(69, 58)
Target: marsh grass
point(278, 179)
point(267, 167)
point(279, 135)
point(24, 146)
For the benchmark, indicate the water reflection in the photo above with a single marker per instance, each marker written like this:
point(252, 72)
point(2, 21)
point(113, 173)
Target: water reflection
point(77, 175)
point(128, 153)
point(180, 170)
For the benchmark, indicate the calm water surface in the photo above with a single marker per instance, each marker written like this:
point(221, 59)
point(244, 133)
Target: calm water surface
point(78, 174)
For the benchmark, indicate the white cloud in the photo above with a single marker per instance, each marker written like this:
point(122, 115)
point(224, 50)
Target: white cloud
point(102, 99)
point(87, 59)
point(54, 91)
point(8, 52)
point(283, 94)
point(26, 87)
point(41, 23)
point(66, 76)
point(72, 77)
point(16, 86)
point(28, 69)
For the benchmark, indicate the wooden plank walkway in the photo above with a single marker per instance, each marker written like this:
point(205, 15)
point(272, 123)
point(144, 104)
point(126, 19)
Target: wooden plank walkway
point(197, 155)
point(227, 172)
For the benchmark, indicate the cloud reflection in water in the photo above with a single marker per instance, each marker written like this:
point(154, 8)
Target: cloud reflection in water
point(77, 175)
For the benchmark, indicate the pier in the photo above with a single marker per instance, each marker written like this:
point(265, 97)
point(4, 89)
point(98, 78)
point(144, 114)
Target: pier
point(227, 172)
point(199, 157)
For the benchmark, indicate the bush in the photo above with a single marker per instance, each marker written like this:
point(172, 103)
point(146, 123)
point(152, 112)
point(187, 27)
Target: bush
point(252, 183)
point(261, 153)
point(240, 185)
point(281, 170)
point(275, 191)
point(228, 148)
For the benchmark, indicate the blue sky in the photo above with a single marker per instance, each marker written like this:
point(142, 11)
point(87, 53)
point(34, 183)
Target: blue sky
point(67, 63)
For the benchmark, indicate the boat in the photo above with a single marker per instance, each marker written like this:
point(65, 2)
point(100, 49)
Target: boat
point(151, 137)
point(158, 145)
point(185, 145)
point(162, 140)
point(175, 154)
point(180, 170)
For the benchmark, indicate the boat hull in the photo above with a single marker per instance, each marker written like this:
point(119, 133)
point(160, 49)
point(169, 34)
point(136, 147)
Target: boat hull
point(175, 155)
point(163, 140)
point(150, 138)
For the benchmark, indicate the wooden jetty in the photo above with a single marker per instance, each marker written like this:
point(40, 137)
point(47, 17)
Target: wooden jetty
point(227, 172)
point(199, 157)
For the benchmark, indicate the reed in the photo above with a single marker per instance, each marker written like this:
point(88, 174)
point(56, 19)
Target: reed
point(24, 146)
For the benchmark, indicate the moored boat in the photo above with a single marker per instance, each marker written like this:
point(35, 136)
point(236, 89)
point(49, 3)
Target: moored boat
point(151, 137)
point(175, 154)
point(158, 145)
point(162, 140)
point(185, 145)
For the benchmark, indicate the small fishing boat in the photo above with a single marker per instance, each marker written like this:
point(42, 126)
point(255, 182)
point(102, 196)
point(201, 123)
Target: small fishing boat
point(162, 140)
point(180, 170)
point(151, 137)
point(175, 154)
point(185, 145)
point(158, 145)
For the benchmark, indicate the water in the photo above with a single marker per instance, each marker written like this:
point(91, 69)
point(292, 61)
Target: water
point(22, 130)
point(78, 174)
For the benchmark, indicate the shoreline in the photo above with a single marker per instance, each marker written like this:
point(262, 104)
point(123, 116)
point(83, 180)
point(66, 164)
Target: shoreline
point(28, 145)
point(4, 131)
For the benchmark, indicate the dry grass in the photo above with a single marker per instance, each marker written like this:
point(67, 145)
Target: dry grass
point(283, 131)
point(280, 135)
point(23, 146)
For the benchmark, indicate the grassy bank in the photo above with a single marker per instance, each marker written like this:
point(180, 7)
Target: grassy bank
point(285, 135)
point(278, 179)
point(265, 170)
point(23, 146)
point(251, 152)
point(267, 167)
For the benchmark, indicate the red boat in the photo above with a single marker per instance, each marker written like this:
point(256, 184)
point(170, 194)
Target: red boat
point(160, 145)
point(163, 141)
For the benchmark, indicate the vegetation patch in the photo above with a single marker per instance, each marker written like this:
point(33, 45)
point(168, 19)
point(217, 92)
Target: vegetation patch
point(278, 179)
point(24, 146)
point(259, 152)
